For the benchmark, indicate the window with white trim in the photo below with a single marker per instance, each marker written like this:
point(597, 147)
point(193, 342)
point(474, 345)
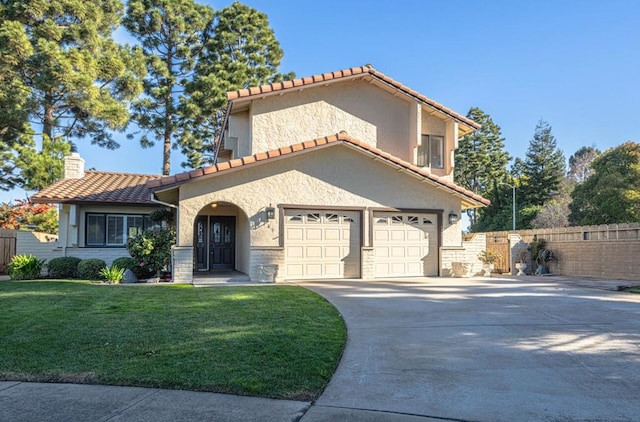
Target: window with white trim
point(114, 229)
point(431, 152)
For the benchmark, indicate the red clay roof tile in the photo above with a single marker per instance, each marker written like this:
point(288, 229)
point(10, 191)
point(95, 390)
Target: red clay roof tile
point(170, 181)
point(361, 70)
point(101, 187)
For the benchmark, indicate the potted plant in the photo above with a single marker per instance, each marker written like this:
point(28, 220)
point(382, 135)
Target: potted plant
point(522, 258)
point(489, 259)
point(542, 256)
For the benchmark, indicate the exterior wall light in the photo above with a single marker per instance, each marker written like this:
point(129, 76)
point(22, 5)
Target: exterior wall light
point(271, 213)
point(453, 218)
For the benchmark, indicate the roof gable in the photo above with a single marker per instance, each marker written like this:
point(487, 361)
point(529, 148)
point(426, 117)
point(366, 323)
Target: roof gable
point(168, 182)
point(354, 72)
point(99, 187)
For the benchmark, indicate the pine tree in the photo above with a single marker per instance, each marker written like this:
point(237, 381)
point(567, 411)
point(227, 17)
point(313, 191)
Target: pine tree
point(75, 81)
point(543, 168)
point(171, 33)
point(480, 158)
point(241, 52)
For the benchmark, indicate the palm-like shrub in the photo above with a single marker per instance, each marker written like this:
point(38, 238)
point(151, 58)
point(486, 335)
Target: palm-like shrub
point(25, 267)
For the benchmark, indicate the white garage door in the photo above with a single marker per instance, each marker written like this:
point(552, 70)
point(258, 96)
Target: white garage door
point(405, 244)
point(322, 244)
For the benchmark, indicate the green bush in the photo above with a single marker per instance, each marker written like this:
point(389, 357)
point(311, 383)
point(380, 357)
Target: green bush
point(90, 269)
point(128, 263)
point(112, 275)
point(152, 248)
point(64, 267)
point(25, 267)
point(125, 262)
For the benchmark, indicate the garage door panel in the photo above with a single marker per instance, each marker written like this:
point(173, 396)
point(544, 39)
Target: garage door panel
point(313, 234)
point(295, 252)
point(414, 236)
point(414, 251)
point(332, 234)
point(295, 233)
point(398, 235)
point(322, 244)
point(333, 252)
point(405, 244)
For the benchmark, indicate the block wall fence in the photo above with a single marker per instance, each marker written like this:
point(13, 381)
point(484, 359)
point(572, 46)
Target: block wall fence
point(606, 251)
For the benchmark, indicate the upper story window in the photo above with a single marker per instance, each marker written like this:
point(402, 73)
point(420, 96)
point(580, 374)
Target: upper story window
point(114, 229)
point(431, 152)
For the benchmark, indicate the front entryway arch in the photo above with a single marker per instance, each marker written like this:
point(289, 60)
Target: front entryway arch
point(221, 238)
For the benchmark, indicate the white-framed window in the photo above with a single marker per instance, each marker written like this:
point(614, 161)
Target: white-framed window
point(114, 229)
point(431, 152)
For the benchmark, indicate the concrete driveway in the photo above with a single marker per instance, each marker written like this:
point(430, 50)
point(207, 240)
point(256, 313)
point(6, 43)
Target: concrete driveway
point(483, 349)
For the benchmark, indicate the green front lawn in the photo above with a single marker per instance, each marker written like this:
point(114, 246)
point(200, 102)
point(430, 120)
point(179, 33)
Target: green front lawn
point(271, 341)
point(635, 290)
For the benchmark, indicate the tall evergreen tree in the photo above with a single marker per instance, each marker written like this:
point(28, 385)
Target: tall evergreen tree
point(171, 33)
point(75, 81)
point(241, 51)
point(543, 168)
point(480, 158)
point(612, 193)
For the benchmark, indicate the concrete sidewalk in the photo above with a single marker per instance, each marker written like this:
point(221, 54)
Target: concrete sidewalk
point(24, 401)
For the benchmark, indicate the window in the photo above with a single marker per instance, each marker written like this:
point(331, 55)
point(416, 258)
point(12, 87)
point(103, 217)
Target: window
point(431, 152)
point(114, 229)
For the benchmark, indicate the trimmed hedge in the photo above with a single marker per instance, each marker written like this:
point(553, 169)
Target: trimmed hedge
point(64, 267)
point(90, 269)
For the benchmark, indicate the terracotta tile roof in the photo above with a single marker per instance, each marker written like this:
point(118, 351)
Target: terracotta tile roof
point(99, 187)
point(172, 181)
point(346, 73)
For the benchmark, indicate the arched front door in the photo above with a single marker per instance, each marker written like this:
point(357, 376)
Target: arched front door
point(215, 242)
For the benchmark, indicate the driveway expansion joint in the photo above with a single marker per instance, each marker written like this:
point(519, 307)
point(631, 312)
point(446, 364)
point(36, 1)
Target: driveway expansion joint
point(390, 412)
point(131, 405)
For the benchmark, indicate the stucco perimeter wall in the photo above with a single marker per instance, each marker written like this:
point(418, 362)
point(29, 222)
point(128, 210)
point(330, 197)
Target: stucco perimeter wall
point(364, 111)
point(334, 176)
point(608, 251)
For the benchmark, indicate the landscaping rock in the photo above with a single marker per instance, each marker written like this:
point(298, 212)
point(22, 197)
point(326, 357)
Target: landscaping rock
point(129, 277)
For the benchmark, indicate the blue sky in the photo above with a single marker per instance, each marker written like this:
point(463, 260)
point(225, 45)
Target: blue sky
point(575, 64)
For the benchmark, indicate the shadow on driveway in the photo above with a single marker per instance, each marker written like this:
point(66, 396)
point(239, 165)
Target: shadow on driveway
point(486, 349)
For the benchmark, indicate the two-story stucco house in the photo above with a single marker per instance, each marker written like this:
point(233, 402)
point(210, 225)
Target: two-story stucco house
point(346, 174)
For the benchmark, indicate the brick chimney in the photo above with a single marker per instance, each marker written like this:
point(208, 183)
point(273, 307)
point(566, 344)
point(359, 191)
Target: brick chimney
point(73, 166)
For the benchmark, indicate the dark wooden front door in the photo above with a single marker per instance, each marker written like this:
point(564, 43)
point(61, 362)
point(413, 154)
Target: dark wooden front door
point(222, 243)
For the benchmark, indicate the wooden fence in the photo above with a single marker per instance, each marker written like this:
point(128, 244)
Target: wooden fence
point(7, 248)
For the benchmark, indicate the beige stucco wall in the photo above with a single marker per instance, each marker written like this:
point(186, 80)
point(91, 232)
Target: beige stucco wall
point(362, 110)
point(333, 176)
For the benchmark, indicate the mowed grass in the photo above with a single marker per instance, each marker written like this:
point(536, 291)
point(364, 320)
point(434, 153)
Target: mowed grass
point(270, 341)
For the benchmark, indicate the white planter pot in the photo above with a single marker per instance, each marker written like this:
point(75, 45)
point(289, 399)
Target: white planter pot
point(487, 268)
point(521, 266)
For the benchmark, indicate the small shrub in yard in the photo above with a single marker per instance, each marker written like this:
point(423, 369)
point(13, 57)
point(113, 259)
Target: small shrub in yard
point(90, 268)
point(64, 267)
point(125, 262)
point(112, 275)
point(128, 263)
point(25, 267)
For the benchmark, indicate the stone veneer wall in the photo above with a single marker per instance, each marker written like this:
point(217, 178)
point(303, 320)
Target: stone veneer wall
point(462, 261)
point(182, 264)
point(267, 256)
